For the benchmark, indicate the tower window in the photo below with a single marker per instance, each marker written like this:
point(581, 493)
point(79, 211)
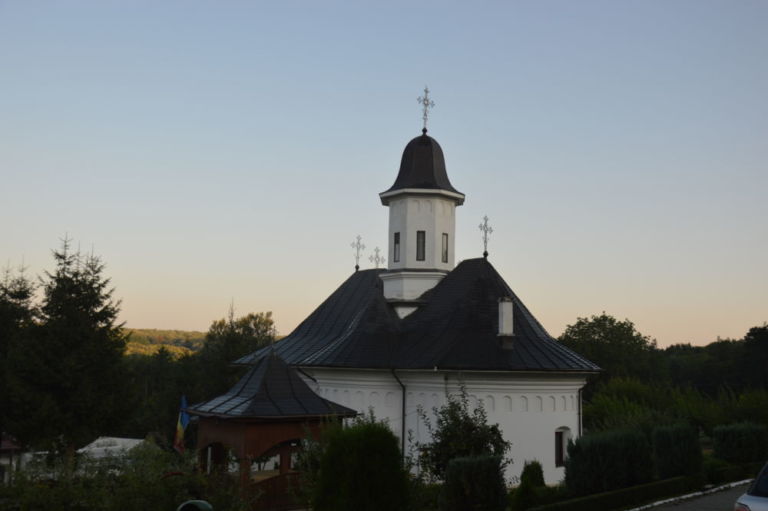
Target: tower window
point(396, 248)
point(445, 247)
point(420, 241)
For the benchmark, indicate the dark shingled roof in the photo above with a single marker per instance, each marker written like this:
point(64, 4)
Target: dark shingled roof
point(423, 166)
point(455, 328)
point(270, 390)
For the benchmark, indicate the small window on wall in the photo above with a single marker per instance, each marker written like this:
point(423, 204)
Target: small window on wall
point(562, 436)
point(420, 249)
point(445, 247)
point(396, 248)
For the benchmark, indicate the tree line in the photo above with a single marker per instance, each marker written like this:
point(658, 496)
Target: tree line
point(65, 378)
point(641, 384)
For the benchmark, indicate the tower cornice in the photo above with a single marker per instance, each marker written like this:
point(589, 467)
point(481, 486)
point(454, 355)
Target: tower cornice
point(389, 195)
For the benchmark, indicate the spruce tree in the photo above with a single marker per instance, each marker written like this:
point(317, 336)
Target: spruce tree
point(16, 319)
point(66, 377)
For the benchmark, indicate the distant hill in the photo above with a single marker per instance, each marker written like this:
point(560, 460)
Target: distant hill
point(148, 341)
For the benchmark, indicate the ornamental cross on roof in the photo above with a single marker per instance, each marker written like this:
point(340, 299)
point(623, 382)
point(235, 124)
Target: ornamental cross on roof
point(487, 229)
point(377, 259)
point(359, 247)
point(426, 104)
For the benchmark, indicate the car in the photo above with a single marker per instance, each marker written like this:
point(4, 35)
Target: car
point(756, 497)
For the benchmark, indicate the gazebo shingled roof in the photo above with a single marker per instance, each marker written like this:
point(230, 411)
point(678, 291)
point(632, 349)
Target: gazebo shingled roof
point(270, 390)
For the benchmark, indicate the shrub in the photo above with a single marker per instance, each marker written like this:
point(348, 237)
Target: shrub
point(741, 443)
point(146, 478)
point(459, 433)
point(474, 483)
point(361, 469)
point(626, 497)
point(533, 473)
point(424, 496)
point(717, 471)
point(525, 496)
point(607, 461)
point(677, 451)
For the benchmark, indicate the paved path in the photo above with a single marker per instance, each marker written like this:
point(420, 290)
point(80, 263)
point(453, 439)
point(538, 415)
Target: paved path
point(720, 501)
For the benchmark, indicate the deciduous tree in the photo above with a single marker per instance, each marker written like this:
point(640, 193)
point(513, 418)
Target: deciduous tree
point(616, 346)
point(458, 432)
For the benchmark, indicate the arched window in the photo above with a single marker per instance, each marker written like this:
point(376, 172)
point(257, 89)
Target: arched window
point(562, 436)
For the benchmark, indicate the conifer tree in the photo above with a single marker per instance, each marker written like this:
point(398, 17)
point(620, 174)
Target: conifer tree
point(16, 318)
point(66, 377)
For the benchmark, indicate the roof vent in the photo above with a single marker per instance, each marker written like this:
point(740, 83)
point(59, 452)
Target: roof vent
point(506, 322)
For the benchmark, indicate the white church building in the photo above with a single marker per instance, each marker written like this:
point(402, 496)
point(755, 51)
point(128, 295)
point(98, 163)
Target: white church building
point(403, 338)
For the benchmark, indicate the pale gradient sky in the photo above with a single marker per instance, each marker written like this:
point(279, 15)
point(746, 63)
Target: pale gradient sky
point(212, 151)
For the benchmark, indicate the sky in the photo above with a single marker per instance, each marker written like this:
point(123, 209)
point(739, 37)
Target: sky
point(228, 152)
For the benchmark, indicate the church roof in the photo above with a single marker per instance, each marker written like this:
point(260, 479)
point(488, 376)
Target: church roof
point(423, 166)
point(455, 328)
point(270, 390)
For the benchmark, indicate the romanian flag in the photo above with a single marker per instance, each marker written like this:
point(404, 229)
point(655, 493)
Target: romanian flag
point(181, 425)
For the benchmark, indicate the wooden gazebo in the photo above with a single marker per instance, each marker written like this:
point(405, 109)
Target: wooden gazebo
point(267, 412)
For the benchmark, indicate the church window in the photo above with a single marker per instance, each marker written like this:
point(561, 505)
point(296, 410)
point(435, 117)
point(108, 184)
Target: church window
point(445, 247)
point(396, 249)
point(420, 242)
point(562, 435)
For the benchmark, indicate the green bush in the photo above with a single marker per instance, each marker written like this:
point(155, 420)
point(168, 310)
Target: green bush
point(474, 483)
point(626, 497)
point(741, 443)
point(424, 496)
point(361, 469)
point(525, 496)
point(457, 432)
point(677, 451)
point(717, 471)
point(147, 478)
point(533, 473)
point(608, 461)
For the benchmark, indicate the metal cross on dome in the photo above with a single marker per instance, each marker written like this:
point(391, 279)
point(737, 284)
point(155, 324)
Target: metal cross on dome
point(426, 104)
point(358, 246)
point(376, 259)
point(487, 229)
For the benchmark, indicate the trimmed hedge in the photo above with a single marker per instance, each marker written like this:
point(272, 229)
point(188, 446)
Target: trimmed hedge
point(361, 470)
point(475, 483)
point(608, 461)
point(741, 443)
point(525, 495)
point(533, 473)
point(627, 497)
point(728, 473)
point(677, 451)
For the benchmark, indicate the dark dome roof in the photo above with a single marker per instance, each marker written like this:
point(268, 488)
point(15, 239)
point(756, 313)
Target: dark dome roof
point(423, 166)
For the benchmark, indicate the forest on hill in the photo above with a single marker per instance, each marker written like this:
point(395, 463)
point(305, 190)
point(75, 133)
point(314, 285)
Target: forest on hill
point(148, 341)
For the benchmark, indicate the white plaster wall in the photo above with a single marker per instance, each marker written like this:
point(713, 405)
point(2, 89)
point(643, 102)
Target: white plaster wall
point(409, 285)
point(529, 408)
point(432, 214)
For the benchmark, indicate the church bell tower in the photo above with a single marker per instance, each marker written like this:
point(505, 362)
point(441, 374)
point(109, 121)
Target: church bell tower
point(422, 223)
